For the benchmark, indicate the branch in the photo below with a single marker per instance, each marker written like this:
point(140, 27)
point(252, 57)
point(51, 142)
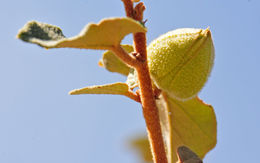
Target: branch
point(150, 111)
point(133, 96)
point(129, 8)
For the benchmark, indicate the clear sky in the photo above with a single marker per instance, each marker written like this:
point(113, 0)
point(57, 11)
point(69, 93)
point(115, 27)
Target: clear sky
point(41, 123)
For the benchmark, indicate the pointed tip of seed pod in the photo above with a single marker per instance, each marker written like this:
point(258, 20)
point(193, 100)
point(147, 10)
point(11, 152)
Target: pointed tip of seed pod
point(206, 32)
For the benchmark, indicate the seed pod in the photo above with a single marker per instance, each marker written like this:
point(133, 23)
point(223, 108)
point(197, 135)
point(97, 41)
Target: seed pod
point(180, 61)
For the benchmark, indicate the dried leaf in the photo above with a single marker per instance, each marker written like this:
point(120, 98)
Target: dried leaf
point(104, 35)
point(186, 155)
point(113, 64)
point(193, 160)
point(115, 88)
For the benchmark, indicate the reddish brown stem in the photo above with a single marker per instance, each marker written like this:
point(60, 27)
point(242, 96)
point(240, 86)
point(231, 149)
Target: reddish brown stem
point(151, 115)
point(129, 8)
point(133, 96)
point(124, 56)
point(150, 111)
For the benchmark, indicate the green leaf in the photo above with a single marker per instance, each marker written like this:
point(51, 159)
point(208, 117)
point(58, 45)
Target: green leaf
point(113, 64)
point(115, 88)
point(45, 32)
point(104, 35)
point(190, 123)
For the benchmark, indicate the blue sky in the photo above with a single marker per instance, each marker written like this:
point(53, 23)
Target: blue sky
point(40, 122)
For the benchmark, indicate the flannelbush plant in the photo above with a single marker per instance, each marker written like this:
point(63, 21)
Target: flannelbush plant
point(164, 78)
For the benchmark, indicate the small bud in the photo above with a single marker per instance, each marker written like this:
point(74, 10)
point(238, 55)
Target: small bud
point(180, 61)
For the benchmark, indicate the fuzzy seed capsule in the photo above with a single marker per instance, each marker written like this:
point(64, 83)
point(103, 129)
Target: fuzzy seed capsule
point(180, 61)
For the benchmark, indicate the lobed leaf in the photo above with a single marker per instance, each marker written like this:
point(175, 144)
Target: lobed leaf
point(104, 35)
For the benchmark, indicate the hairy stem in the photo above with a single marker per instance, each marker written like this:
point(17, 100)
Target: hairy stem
point(151, 115)
point(124, 56)
point(150, 111)
point(133, 96)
